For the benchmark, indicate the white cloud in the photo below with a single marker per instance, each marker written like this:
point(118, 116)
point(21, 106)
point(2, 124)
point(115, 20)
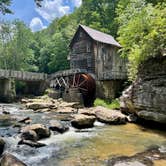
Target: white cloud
point(77, 3)
point(53, 8)
point(36, 24)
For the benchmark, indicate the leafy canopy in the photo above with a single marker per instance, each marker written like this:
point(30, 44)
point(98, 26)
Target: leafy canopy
point(142, 32)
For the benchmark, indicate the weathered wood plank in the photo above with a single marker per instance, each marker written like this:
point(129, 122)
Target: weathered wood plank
point(22, 75)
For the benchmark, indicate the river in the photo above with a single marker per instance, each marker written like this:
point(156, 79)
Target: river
point(88, 147)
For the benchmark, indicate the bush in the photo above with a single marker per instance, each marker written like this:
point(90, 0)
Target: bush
point(113, 105)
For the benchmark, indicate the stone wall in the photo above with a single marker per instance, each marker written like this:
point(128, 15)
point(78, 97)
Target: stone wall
point(109, 89)
point(7, 90)
point(147, 96)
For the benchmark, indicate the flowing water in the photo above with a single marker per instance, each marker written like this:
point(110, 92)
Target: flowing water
point(88, 147)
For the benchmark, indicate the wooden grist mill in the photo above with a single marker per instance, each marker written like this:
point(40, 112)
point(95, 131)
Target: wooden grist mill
point(96, 68)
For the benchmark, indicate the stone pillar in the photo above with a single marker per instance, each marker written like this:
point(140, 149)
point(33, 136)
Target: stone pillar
point(7, 90)
point(109, 90)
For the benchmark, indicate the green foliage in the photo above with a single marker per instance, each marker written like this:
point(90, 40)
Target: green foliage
point(113, 105)
point(20, 86)
point(4, 6)
point(142, 32)
point(15, 40)
point(99, 14)
point(140, 25)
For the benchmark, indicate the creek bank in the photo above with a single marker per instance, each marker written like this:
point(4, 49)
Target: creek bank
point(79, 117)
point(146, 97)
point(59, 147)
point(146, 158)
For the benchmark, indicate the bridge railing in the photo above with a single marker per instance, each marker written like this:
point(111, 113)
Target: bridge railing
point(67, 73)
point(22, 75)
point(4, 73)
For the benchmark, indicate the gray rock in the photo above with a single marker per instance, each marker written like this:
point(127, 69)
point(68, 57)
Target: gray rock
point(57, 126)
point(132, 118)
point(109, 116)
point(154, 116)
point(24, 120)
point(2, 145)
point(34, 144)
point(41, 130)
point(29, 135)
point(39, 105)
point(146, 97)
point(10, 160)
point(81, 121)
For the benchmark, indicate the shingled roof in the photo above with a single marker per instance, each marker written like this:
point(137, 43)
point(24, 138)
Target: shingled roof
point(98, 36)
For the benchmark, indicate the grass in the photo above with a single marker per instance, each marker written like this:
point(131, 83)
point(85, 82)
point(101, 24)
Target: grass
point(111, 105)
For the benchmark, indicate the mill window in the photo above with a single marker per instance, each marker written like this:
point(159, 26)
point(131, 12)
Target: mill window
point(81, 34)
point(88, 47)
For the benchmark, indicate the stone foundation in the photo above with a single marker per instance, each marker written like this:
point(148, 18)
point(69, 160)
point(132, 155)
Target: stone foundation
point(7, 90)
point(109, 89)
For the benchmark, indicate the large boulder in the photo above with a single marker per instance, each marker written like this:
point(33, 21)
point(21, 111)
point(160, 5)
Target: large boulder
point(29, 135)
point(146, 97)
point(81, 121)
point(66, 110)
point(57, 126)
point(2, 145)
point(10, 160)
point(106, 115)
point(41, 130)
point(39, 105)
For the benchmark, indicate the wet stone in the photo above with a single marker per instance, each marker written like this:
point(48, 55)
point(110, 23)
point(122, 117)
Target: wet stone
point(29, 135)
point(41, 130)
point(110, 116)
point(2, 145)
point(30, 143)
point(10, 160)
point(81, 121)
point(57, 126)
point(24, 120)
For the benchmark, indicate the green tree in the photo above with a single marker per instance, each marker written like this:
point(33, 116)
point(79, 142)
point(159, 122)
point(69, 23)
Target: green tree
point(15, 40)
point(99, 14)
point(142, 32)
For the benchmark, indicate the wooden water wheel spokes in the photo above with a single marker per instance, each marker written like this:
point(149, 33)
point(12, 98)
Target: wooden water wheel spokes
point(79, 81)
point(86, 86)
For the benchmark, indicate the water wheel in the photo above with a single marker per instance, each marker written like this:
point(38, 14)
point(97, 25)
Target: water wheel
point(86, 85)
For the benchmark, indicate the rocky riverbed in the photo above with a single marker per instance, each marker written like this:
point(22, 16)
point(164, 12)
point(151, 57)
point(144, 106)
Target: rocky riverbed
point(47, 132)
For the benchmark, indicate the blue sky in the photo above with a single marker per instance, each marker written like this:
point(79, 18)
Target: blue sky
point(39, 18)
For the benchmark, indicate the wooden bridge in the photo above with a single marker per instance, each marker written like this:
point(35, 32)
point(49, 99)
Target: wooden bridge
point(22, 75)
point(35, 83)
point(80, 79)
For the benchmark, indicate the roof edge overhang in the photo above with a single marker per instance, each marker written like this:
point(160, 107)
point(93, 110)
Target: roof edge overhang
point(80, 26)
